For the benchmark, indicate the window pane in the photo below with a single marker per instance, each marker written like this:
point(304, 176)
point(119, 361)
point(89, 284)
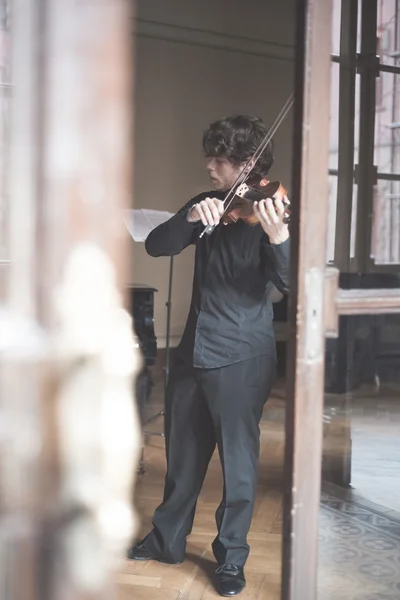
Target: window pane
point(385, 242)
point(353, 221)
point(356, 118)
point(388, 32)
point(359, 25)
point(336, 16)
point(387, 123)
point(334, 117)
point(330, 243)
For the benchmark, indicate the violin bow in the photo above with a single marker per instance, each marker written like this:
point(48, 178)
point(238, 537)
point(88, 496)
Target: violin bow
point(245, 172)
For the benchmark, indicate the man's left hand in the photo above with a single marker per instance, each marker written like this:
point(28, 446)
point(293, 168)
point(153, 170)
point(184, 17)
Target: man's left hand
point(271, 213)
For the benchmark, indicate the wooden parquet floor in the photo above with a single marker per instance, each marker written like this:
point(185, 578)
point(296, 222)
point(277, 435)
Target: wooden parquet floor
point(194, 579)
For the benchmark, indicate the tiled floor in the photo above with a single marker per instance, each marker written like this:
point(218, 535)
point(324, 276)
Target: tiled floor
point(360, 525)
point(359, 553)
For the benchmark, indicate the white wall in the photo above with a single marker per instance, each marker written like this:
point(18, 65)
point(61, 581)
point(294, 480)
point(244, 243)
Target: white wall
point(196, 62)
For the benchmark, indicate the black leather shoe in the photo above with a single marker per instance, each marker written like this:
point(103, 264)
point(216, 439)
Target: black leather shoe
point(231, 580)
point(140, 552)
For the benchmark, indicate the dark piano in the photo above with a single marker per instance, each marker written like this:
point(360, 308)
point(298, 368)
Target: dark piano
point(142, 311)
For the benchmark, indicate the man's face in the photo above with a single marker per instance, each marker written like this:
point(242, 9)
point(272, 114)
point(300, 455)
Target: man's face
point(222, 173)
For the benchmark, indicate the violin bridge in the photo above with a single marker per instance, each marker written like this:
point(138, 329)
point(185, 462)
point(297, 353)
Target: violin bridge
point(242, 190)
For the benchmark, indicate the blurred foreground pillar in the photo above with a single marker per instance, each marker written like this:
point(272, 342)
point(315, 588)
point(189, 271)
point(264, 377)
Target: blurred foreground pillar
point(69, 434)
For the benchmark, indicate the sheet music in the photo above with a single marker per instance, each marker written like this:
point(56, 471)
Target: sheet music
point(141, 221)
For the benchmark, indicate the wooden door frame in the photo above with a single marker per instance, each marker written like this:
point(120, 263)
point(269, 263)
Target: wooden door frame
point(305, 373)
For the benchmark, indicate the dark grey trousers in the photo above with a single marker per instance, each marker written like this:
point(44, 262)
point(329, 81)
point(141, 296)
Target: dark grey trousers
point(206, 408)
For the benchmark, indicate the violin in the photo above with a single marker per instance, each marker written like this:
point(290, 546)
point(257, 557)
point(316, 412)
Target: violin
point(238, 202)
point(246, 195)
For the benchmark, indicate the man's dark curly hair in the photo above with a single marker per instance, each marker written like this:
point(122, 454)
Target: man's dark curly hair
point(236, 138)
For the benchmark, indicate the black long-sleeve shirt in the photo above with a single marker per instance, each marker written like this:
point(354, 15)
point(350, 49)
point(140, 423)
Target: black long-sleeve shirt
point(230, 316)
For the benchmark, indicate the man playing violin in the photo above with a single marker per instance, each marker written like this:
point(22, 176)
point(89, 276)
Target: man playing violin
point(225, 364)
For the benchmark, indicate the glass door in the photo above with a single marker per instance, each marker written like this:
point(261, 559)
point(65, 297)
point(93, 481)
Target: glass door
point(359, 530)
point(322, 296)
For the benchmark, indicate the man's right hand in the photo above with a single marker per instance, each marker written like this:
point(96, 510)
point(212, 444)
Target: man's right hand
point(208, 211)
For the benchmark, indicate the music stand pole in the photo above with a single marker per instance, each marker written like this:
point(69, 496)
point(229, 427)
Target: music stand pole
point(167, 336)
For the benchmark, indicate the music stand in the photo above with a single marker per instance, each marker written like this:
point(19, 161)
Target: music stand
point(139, 223)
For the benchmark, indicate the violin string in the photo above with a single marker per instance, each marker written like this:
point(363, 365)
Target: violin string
point(258, 152)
